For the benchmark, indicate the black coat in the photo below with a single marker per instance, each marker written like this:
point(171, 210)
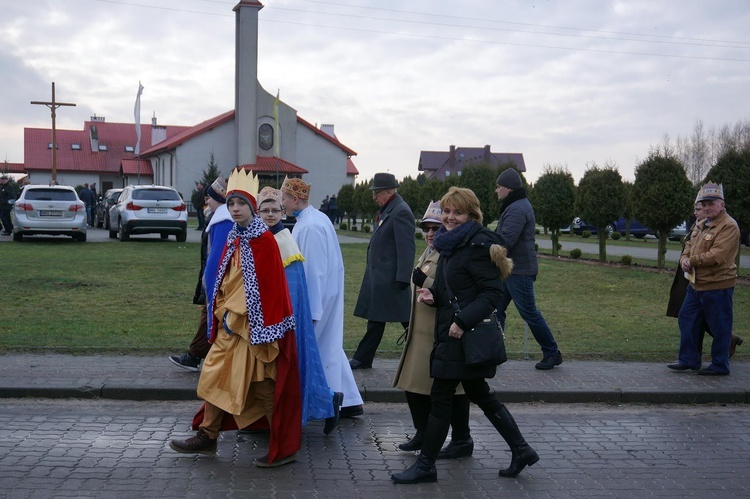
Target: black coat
point(390, 260)
point(476, 283)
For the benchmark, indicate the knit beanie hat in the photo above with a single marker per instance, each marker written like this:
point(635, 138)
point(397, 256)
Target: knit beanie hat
point(510, 179)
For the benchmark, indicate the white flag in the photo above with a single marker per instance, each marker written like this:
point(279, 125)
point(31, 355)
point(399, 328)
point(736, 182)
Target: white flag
point(137, 112)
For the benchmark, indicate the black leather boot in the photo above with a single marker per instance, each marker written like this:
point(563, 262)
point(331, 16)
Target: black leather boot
point(424, 471)
point(461, 444)
point(414, 444)
point(419, 406)
point(523, 454)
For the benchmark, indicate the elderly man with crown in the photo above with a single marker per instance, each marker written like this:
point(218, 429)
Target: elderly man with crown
point(251, 371)
point(708, 261)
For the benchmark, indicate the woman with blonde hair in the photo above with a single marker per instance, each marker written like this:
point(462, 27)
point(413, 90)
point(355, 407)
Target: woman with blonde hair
point(474, 266)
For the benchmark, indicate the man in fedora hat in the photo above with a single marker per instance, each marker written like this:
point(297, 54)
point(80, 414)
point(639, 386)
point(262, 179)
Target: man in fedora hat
point(385, 294)
point(708, 262)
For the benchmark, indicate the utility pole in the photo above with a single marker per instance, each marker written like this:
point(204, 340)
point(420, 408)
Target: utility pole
point(53, 106)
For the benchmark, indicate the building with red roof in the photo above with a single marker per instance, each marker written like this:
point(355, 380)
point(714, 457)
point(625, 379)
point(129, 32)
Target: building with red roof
point(262, 134)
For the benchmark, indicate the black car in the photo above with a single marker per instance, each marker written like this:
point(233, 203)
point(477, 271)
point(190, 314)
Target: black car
point(101, 215)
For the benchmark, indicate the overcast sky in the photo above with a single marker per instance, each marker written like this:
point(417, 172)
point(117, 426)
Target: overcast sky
point(563, 82)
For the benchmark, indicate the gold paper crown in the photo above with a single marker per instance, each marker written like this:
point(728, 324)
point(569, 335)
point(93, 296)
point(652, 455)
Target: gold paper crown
point(269, 193)
point(710, 190)
point(296, 187)
point(243, 183)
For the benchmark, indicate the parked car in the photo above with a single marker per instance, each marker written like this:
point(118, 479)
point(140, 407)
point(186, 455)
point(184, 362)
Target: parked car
point(49, 210)
point(637, 229)
point(678, 232)
point(101, 217)
point(148, 209)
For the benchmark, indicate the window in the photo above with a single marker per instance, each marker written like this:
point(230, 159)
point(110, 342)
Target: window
point(265, 136)
point(49, 145)
point(75, 147)
point(448, 173)
point(102, 147)
point(129, 149)
point(458, 173)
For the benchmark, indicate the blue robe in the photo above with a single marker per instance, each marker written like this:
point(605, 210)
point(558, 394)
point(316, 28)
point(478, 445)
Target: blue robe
point(317, 396)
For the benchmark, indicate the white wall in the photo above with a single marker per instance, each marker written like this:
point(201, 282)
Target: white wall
point(325, 162)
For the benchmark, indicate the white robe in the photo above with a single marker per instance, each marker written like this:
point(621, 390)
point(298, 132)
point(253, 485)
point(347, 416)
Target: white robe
point(324, 268)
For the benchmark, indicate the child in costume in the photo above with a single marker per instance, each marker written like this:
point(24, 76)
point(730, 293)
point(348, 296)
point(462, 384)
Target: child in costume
point(251, 371)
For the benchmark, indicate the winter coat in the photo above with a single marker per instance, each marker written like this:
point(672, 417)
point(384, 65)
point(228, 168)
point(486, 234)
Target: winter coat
point(476, 282)
point(390, 260)
point(517, 228)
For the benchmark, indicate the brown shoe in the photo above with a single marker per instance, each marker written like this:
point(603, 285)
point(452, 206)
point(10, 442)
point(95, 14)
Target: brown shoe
point(736, 341)
point(263, 461)
point(198, 444)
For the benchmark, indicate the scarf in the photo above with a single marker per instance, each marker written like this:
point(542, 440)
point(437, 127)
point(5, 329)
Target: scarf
point(276, 228)
point(239, 237)
point(447, 240)
point(512, 198)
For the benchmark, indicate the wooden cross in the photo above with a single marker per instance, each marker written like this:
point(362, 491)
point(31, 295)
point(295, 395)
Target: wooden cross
point(53, 106)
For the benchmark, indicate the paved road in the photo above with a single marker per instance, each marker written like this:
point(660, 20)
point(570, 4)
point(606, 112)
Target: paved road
point(634, 251)
point(119, 449)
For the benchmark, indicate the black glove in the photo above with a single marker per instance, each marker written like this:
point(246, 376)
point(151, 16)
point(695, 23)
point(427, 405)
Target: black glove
point(402, 285)
point(418, 277)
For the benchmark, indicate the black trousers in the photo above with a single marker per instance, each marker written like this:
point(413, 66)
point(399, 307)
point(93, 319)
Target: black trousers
point(477, 390)
point(200, 346)
point(369, 344)
point(5, 218)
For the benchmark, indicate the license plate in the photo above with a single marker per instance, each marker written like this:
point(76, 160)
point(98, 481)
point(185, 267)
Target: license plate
point(50, 213)
point(157, 210)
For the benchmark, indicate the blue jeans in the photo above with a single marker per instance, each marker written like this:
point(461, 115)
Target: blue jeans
point(520, 289)
point(715, 307)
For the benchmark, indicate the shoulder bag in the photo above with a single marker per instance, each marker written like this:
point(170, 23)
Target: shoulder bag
point(484, 344)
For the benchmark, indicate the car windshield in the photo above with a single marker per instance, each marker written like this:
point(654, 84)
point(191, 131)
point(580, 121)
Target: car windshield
point(50, 195)
point(156, 195)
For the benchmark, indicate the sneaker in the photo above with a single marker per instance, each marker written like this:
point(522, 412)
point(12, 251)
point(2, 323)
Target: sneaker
point(201, 443)
point(186, 361)
point(263, 461)
point(549, 362)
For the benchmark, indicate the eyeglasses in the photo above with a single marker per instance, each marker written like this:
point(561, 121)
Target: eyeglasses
point(430, 228)
point(266, 212)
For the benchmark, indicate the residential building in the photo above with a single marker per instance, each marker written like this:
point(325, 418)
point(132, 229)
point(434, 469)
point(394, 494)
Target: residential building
point(442, 164)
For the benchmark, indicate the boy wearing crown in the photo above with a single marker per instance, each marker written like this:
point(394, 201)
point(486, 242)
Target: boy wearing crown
point(251, 371)
point(708, 261)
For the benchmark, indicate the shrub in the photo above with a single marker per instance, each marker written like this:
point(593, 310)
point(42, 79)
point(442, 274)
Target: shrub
point(626, 260)
point(536, 247)
point(343, 226)
point(616, 235)
point(537, 231)
point(586, 234)
point(559, 246)
point(575, 253)
point(365, 228)
point(354, 228)
point(418, 235)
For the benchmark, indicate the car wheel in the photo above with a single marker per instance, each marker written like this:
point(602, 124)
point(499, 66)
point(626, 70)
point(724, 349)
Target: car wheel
point(164, 236)
point(106, 223)
point(182, 236)
point(81, 238)
point(610, 229)
point(99, 223)
point(124, 236)
point(17, 236)
point(112, 234)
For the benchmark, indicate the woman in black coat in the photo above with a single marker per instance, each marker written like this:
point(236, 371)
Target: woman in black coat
point(475, 266)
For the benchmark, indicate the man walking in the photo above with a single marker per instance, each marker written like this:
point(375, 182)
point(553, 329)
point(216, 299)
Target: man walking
point(87, 196)
point(385, 294)
point(517, 229)
point(324, 269)
point(7, 196)
point(708, 260)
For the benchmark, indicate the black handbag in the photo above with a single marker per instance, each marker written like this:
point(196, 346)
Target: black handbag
point(484, 344)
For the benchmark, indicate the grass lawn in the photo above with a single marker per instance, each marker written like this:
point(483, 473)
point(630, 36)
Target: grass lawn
point(137, 297)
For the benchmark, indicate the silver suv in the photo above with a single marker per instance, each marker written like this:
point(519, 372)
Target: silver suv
point(148, 209)
point(49, 210)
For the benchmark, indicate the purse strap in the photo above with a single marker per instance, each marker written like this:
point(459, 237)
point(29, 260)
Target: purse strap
point(451, 297)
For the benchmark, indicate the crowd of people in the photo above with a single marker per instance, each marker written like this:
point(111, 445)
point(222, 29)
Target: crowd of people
point(271, 330)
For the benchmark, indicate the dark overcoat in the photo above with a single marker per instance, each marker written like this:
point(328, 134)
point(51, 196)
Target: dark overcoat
point(390, 260)
point(476, 283)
